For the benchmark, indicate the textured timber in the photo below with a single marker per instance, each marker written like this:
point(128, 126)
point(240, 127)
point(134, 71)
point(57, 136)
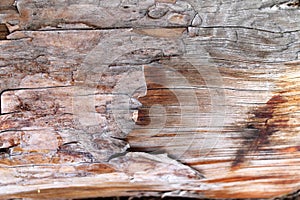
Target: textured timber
point(194, 98)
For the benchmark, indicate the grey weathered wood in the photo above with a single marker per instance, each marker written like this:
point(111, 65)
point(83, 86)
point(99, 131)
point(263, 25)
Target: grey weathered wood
point(165, 98)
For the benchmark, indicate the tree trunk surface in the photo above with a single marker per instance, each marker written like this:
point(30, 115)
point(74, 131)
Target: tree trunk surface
point(180, 98)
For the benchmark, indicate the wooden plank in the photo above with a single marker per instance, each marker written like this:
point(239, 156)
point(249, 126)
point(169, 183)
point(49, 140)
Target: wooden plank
point(164, 98)
point(268, 16)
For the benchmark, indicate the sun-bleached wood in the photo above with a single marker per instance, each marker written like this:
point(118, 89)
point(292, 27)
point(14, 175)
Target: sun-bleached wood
point(190, 98)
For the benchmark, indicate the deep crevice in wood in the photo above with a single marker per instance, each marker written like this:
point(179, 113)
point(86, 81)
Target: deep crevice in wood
point(3, 31)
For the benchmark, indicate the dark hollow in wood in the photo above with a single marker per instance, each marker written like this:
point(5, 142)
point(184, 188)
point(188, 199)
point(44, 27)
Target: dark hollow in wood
point(3, 31)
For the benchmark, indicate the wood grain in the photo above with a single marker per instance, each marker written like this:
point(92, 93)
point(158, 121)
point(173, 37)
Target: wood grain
point(149, 98)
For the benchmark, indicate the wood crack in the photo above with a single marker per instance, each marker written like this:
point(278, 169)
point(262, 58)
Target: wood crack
point(159, 27)
point(3, 32)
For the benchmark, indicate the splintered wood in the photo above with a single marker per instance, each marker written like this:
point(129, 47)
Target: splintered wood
point(149, 98)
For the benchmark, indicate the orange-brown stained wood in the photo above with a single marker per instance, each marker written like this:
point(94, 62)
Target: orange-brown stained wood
point(96, 168)
point(260, 135)
point(161, 88)
point(240, 178)
point(261, 126)
point(3, 31)
point(278, 115)
point(156, 95)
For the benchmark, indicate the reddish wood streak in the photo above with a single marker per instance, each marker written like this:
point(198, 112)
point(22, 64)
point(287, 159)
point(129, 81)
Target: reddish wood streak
point(240, 179)
point(260, 127)
point(157, 94)
point(96, 168)
point(208, 162)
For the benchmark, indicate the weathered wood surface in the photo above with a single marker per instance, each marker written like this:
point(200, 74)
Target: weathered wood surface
point(187, 98)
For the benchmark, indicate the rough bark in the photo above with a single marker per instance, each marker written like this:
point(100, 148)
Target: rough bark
point(190, 98)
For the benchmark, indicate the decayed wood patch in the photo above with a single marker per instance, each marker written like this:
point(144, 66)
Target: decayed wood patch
point(165, 98)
